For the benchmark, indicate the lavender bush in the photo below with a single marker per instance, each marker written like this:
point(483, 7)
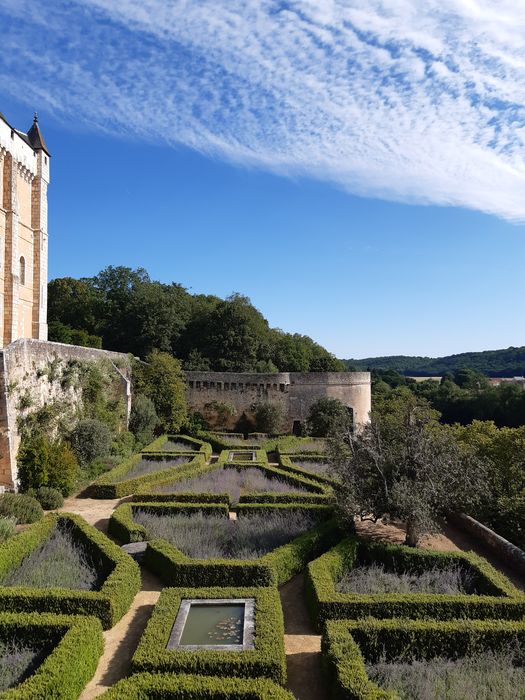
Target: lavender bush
point(59, 562)
point(17, 661)
point(232, 482)
point(479, 677)
point(376, 579)
point(212, 536)
point(149, 466)
point(178, 446)
point(7, 527)
point(311, 465)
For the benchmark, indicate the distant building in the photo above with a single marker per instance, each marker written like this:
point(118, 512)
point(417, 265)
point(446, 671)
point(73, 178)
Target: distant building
point(497, 381)
point(24, 177)
point(295, 392)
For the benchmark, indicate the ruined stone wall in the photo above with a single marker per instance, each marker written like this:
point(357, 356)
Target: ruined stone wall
point(32, 376)
point(294, 391)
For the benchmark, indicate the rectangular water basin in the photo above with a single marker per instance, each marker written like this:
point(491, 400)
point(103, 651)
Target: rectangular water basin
point(242, 456)
point(218, 624)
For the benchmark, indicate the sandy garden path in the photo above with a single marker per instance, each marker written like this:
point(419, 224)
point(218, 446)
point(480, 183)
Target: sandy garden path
point(302, 644)
point(95, 511)
point(121, 640)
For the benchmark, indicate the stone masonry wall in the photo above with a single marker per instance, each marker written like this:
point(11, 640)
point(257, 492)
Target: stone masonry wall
point(294, 391)
point(25, 386)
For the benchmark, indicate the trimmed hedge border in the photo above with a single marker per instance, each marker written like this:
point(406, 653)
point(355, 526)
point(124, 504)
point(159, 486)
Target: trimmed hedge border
point(126, 530)
point(274, 568)
point(104, 487)
point(180, 498)
point(153, 686)
point(76, 643)
point(120, 574)
point(348, 645)
point(266, 660)
point(194, 445)
point(499, 600)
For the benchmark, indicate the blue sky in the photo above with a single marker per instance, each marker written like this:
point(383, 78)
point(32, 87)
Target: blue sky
point(357, 171)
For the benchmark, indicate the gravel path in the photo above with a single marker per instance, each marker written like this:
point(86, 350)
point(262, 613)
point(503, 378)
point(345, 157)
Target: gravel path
point(302, 644)
point(121, 640)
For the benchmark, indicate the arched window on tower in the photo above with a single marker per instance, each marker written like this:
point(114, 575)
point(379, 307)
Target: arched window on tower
point(22, 270)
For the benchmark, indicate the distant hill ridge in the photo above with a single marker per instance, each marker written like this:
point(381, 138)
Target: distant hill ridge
point(494, 363)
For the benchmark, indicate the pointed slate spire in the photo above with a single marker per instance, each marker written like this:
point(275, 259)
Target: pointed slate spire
point(35, 138)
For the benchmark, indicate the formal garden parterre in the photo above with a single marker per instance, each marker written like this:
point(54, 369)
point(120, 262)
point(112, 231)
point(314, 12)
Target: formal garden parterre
point(487, 594)
point(387, 613)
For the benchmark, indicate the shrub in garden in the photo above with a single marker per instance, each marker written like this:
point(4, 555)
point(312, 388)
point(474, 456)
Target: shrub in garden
point(161, 379)
point(90, 439)
point(7, 527)
point(123, 444)
point(483, 676)
point(211, 536)
point(21, 506)
point(268, 417)
point(44, 463)
point(376, 578)
point(16, 662)
point(143, 419)
point(59, 562)
point(326, 416)
point(49, 498)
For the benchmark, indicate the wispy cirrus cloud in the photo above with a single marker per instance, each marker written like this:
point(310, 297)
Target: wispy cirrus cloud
point(400, 99)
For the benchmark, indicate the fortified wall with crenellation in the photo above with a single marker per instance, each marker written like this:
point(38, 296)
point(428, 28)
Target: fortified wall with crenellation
point(294, 391)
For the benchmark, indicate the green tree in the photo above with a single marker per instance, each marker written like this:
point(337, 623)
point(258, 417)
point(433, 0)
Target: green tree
point(405, 465)
point(143, 419)
point(162, 380)
point(327, 416)
point(90, 439)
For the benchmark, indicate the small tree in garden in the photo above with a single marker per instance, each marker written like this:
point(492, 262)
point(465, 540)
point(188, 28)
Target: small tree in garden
point(405, 465)
point(327, 416)
point(268, 417)
point(143, 419)
point(162, 380)
point(90, 439)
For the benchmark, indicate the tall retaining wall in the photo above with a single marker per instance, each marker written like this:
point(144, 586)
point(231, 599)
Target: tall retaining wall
point(25, 385)
point(294, 391)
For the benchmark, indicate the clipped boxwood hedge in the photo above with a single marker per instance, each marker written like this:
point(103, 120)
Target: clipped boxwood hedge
point(194, 445)
point(499, 598)
point(75, 645)
point(119, 574)
point(266, 660)
point(276, 567)
point(153, 686)
point(348, 645)
point(106, 486)
point(126, 530)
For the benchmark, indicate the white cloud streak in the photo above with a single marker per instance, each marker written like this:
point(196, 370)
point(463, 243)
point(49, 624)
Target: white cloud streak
point(405, 100)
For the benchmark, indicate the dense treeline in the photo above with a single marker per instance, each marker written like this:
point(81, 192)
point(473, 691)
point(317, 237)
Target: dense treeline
point(493, 363)
point(461, 397)
point(123, 309)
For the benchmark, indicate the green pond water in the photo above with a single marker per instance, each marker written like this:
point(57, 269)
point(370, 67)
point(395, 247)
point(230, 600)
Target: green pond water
point(214, 624)
point(241, 457)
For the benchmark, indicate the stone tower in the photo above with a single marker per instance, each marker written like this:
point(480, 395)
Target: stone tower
point(24, 177)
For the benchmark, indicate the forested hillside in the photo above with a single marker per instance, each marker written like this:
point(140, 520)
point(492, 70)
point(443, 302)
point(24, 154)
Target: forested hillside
point(493, 363)
point(123, 309)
